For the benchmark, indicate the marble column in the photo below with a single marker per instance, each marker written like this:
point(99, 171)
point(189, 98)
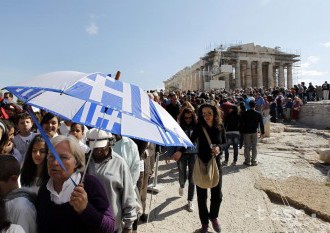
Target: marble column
point(238, 74)
point(248, 74)
point(227, 85)
point(259, 75)
point(195, 80)
point(275, 77)
point(201, 79)
point(281, 80)
point(289, 75)
point(243, 74)
point(270, 75)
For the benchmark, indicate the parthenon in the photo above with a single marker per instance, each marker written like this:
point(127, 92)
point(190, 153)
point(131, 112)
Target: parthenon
point(240, 66)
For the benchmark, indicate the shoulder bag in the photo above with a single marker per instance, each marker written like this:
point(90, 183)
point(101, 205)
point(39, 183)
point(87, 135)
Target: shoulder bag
point(206, 175)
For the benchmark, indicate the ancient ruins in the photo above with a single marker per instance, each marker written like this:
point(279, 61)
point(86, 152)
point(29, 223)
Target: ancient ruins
point(239, 66)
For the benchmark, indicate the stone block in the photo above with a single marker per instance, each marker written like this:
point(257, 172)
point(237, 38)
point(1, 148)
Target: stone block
point(315, 114)
point(276, 128)
point(268, 140)
point(324, 154)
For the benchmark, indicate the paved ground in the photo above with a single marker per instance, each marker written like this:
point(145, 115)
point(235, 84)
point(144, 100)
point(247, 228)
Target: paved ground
point(246, 208)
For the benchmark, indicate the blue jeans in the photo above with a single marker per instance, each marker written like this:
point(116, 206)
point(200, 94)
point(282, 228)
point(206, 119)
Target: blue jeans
point(187, 160)
point(232, 139)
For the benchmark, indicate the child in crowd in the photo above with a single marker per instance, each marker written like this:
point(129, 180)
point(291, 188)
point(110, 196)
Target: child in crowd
point(78, 131)
point(18, 202)
point(50, 124)
point(5, 225)
point(25, 134)
point(9, 147)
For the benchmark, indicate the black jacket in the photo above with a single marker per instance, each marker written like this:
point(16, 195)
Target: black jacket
point(217, 136)
point(250, 122)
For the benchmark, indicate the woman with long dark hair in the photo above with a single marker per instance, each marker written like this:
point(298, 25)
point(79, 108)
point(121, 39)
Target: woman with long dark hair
point(188, 121)
point(210, 118)
point(34, 171)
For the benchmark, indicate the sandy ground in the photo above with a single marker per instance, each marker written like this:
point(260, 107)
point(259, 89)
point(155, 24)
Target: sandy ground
point(244, 207)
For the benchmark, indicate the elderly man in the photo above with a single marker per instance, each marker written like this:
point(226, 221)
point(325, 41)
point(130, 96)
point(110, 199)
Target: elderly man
point(114, 174)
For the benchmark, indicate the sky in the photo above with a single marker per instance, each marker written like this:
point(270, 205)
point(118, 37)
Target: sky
point(151, 40)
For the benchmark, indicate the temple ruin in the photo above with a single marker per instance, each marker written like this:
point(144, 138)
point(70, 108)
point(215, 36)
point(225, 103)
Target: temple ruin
point(240, 66)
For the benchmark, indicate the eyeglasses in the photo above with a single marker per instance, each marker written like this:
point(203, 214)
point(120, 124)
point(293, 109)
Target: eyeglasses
point(188, 118)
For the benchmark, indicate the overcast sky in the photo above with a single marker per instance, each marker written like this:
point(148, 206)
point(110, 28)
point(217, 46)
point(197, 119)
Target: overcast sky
point(149, 41)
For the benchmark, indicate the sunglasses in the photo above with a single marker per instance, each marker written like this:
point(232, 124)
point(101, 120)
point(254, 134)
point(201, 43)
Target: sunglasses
point(188, 118)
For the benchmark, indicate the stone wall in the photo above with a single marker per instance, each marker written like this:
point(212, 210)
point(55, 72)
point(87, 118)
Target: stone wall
point(316, 114)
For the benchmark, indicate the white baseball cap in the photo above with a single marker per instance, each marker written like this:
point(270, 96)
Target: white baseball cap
point(97, 138)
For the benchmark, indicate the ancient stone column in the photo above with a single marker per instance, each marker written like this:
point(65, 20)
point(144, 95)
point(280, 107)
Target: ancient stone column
point(281, 80)
point(248, 74)
point(243, 74)
point(201, 83)
point(289, 75)
point(270, 75)
point(195, 81)
point(259, 74)
point(238, 74)
point(227, 86)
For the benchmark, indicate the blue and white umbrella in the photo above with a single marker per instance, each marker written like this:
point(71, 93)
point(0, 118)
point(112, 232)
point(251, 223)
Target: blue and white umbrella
point(100, 101)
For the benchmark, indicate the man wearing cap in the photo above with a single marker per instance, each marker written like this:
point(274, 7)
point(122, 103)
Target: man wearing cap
point(114, 174)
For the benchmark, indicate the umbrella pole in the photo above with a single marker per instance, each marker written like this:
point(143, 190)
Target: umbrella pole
point(154, 187)
point(91, 153)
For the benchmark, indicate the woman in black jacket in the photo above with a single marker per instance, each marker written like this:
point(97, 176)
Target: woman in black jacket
point(210, 118)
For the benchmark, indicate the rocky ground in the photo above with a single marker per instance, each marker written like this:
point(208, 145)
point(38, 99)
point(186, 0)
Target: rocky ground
point(278, 195)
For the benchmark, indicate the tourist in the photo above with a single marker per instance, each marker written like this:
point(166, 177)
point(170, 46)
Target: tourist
point(251, 120)
point(232, 126)
point(3, 135)
point(297, 103)
point(19, 203)
point(5, 225)
point(25, 134)
point(78, 131)
point(34, 171)
point(114, 173)
point(325, 90)
point(64, 204)
point(186, 160)
point(9, 148)
point(50, 124)
point(209, 117)
point(173, 107)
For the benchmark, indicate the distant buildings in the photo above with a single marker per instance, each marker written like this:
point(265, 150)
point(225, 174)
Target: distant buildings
point(240, 66)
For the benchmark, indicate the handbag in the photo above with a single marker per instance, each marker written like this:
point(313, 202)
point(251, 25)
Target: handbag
point(206, 175)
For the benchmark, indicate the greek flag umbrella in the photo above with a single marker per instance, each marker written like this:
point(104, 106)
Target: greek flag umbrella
point(100, 101)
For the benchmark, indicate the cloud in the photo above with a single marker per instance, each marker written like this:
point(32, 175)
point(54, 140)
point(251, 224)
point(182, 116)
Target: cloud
point(306, 68)
point(326, 44)
point(92, 29)
point(313, 73)
point(313, 59)
point(310, 60)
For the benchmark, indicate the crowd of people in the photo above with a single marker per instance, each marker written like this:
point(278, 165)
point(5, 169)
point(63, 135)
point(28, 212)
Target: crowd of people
point(89, 180)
